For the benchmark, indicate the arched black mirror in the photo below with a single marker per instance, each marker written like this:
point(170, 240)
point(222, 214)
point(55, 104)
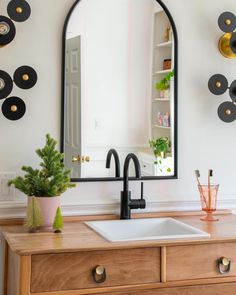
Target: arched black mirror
point(119, 88)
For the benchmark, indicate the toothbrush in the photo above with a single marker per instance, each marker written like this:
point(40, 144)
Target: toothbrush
point(197, 173)
point(210, 174)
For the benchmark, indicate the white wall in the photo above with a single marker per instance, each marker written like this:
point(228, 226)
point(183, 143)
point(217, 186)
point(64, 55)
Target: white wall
point(204, 141)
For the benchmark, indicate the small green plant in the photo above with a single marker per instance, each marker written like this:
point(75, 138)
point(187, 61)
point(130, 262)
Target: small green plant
point(34, 218)
point(160, 147)
point(164, 84)
point(52, 179)
point(58, 221)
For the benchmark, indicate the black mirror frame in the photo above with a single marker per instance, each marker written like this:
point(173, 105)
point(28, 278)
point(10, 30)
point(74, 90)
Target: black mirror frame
point(94, 179)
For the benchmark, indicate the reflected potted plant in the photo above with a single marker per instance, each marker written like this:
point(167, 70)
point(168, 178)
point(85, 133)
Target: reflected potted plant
point(164, 85)
point(44, 186)
point(160, 146)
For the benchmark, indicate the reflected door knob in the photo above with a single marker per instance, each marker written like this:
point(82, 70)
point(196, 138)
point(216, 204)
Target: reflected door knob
point(80, 159)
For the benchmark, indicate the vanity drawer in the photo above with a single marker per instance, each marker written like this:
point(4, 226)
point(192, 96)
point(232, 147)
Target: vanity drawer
point(214, 289)
point(199, 261)
point(71, 271)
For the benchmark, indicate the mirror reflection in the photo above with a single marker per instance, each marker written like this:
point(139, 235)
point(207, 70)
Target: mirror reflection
point(119, 88)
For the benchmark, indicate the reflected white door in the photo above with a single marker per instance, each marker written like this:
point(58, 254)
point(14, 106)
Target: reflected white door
point(73, 106)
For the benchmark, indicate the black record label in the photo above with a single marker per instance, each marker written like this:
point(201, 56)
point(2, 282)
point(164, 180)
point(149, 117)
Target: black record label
point(19, 10)
point(227, 112)
point(7, 30)
point(25, 77)
point(227, 22)
point(218, 84)
point(13, 108)
point(6, 84)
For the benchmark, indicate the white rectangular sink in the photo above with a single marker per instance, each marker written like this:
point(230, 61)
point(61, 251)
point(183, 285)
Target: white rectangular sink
point(145, 229)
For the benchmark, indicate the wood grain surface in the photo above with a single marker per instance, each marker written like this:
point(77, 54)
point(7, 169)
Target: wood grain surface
point(222, 289)
point(198, 261)
point(69, 271)
point(76, 236)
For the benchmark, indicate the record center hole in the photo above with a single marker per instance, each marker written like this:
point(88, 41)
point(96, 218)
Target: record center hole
point(19, 10)
point(25, 77)
point(2, 84)
point(13, 108)
point(4, 28)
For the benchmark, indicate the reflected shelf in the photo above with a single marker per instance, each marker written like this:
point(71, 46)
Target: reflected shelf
point(159, 10)
point(162, 72)
point(164, 44)
point(162, 127)
point(161, 99)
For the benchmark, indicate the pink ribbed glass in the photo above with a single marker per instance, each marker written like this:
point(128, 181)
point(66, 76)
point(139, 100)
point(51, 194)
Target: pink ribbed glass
point(208, 195)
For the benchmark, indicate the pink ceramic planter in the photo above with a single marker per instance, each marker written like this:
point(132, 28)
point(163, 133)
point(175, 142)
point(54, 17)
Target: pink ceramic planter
point(48, 206)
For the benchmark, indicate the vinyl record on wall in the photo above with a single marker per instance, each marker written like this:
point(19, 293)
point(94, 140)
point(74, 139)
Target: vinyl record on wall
point(227, 112)
point(233, 43)
point(6, 84)
point(19, 10)
point(218, 84)
point(7, 30)
point(232, 91)
point(25, 77)
point(13, 108)
point(227, 22)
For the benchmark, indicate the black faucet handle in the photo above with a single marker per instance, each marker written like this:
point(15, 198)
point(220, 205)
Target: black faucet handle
point(141, 190)
point(142, 200)
point(138, 203)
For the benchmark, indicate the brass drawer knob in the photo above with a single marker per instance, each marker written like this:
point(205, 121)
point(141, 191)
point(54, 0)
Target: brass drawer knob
point(224, 265)
point(99, 274)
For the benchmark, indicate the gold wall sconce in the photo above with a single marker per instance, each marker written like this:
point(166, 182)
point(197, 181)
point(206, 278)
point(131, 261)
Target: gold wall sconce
point(227, 42)
point(18, 11)
point(218, 85)
point(13, 108)
point(25, 77)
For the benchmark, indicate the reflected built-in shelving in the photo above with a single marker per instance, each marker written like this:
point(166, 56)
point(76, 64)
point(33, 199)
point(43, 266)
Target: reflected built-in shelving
point(162, 50)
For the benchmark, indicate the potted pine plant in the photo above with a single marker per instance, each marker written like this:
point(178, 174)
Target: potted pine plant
point(160, 146)
point(45, 185)
point(164, 85)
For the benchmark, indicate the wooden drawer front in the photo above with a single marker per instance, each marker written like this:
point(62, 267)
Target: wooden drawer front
point(71, 271)
point(216, 289)
point(198, 261)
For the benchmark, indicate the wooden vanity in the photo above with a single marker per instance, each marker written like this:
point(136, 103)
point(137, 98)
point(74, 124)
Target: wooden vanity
point(64, 264)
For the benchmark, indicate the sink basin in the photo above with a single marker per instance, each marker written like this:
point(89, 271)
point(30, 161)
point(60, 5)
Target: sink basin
point(145, 229)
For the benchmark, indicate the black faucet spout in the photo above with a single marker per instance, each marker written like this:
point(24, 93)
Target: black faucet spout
point(113, 152)
point(126, 169)
point(126, 202)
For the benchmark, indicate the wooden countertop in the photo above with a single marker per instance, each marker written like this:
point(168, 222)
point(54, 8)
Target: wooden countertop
point(76, 236)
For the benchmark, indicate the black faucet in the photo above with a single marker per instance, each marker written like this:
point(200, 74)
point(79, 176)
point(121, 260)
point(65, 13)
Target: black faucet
point(117, 161)
point(127, 203)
